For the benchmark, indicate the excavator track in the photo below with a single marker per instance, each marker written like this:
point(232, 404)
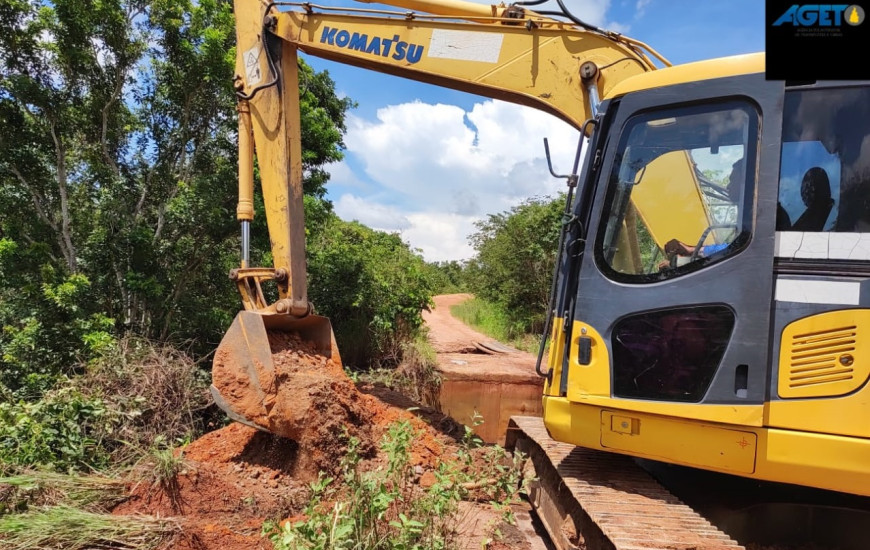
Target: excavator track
point(590, 500)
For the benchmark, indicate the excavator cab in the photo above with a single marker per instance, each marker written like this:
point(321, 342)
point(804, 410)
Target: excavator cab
point(712, 318)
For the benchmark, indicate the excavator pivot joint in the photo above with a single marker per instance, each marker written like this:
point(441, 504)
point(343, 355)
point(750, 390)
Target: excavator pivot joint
point(296, 308)
point(588, 71)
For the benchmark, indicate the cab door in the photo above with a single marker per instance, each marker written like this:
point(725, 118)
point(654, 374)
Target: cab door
point(673, 299)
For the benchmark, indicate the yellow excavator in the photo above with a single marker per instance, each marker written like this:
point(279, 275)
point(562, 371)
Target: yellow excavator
point(713, 275)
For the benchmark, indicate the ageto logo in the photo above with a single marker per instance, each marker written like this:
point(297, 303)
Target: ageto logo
point(821, 15)
point(375, 45)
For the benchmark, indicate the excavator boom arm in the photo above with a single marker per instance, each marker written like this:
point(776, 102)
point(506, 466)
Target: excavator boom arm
point(494, 51)
point(538, 67)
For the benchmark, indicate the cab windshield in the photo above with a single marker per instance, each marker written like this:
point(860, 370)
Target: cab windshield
point(679, 196)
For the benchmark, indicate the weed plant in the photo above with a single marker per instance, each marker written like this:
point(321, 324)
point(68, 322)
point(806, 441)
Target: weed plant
point(415, 377)
point(159, 470)
point(489, 472)
point(386, 508)
point(156, 392)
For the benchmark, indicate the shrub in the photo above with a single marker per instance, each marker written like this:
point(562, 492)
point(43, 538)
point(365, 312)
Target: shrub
point(377, 510)
point(450, 276)
point(373, 288)
point(516, 254)
point(62, 431)
point(156, 393)
point(47, 329)
point(136, 395)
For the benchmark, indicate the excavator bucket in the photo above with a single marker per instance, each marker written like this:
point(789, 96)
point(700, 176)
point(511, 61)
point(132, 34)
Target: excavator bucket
point(255, 389)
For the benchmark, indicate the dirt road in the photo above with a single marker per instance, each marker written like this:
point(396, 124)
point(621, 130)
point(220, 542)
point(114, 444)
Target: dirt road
point(447, 334)
point(483, 376)
point(480, 376)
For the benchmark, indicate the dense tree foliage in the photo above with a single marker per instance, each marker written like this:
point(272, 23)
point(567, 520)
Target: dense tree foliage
point(117, 225)
point(372, 287)
point(118, 194)
point(449, 276)
point(118, 189)
point(516, 254)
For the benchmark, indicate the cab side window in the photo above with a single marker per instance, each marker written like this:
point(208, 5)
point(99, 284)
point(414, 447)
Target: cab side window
point(824, 182)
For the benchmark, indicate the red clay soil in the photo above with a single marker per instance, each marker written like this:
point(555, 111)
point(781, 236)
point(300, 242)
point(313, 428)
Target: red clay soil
point(233, 480)
point(289, 391)
point(313, 402)
point(237, 477)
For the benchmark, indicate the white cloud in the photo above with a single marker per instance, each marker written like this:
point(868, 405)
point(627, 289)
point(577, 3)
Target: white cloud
point(441, 237)
point(438, 236)
point(640, 8)
point(340, 172)
point(372, 214)
point(441, 168)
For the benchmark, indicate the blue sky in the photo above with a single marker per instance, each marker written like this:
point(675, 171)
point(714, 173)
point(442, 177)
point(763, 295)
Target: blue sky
point(428, 162)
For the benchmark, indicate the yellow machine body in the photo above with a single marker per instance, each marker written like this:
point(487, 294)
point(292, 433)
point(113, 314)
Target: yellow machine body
point(813, 430)
point(813, 426)
point(785, 440)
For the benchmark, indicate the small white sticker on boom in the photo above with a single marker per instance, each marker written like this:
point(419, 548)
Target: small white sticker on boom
point(465, 45)
point(253, 74)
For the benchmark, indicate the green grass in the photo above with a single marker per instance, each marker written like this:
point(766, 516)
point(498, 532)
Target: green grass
point(62, 527)
point(487, 318)
point(166, 464)
point(93, 493)
point(160, 469)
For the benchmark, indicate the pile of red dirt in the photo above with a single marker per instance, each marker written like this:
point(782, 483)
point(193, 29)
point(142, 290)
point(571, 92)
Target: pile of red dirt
point(308, 398)
point(237, 477)
point(232, 480)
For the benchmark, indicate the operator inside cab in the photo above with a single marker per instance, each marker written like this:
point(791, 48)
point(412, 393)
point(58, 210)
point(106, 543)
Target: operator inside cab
point(680, 253)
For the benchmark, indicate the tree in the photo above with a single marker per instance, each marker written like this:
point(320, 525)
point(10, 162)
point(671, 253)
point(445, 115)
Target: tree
point(65, 66)
point(372, 286)
point(117, 173)
point(516, 254)
point(449, 276)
